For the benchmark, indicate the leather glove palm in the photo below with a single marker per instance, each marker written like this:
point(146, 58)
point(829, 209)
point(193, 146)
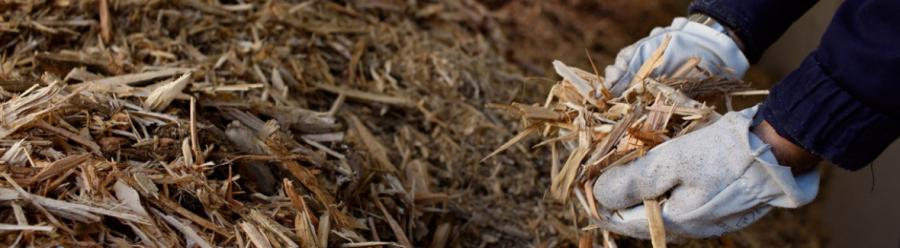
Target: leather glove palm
point(718, 179)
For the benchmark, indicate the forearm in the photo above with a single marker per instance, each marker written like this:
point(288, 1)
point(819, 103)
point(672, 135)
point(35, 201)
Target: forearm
point(840, 103)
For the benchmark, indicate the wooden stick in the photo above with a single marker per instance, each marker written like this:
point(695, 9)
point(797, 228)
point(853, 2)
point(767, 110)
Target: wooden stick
point(586, 240)
point(90, 144)
point(655, 221)
point(8, 227)
point(105, 25)
point(195, 141)
point(368, 96)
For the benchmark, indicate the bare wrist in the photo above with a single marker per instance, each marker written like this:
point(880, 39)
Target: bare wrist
point(786, 152)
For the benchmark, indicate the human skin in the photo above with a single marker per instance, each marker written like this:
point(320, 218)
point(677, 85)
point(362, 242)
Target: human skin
point(786, 152)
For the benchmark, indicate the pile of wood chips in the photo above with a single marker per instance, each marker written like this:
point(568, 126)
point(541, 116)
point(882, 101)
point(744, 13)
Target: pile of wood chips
point(603, 130)
point(194, 123)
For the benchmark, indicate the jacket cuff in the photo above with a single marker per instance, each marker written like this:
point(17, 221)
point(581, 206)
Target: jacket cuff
point(757, 23)
point(810, 109)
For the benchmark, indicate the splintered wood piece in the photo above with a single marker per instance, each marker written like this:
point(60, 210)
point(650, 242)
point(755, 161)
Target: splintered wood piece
point(589, 194)
point(255, 235)
point(368, 96)
point(750, 93)
point(685, 68)
point(655, 222)
point(584, 88)
point(375, 148)
point(92, 146)
point(603, 90)
point(129, 198)
point(618, 131)
point(133, 78)
point(608, 242)
point(515, 139)
point(164, 202)
point(395, 227)
point(105, 26)
point(160, 97)
point(281, 232)
point(74, 211)
point(586, 240)
point(561, 186)
point(324, 230)
point(195, 140)
point(654, 61)
point(190, 235)
point(308, 179)
point(57, 167)
point(31, 105)
point(441, 237)
point(539, 113)
point(304, 219)
point(554, 160)
point(8, 227)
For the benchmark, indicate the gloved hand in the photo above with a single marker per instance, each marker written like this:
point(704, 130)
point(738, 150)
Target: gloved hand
point(718, 53)
point(717, 179)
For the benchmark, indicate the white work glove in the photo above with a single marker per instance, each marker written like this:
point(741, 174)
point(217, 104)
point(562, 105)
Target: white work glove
point(718, 53)
point(717, 179)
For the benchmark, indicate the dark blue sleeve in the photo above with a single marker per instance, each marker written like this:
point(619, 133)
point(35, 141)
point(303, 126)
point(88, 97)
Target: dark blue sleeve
point(758, 23)
point(843, 102)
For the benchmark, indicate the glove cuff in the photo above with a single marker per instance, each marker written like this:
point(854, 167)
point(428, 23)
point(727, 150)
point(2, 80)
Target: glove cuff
point(775, 184)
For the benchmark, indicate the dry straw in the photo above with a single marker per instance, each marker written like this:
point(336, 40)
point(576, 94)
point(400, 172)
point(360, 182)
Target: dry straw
point(603, 131)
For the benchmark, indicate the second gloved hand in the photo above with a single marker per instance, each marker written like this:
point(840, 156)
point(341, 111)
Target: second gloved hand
point(718, 53)
point(717, 179)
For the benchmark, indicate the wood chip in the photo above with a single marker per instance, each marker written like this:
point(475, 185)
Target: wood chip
point(654, 218)
point(160, 97)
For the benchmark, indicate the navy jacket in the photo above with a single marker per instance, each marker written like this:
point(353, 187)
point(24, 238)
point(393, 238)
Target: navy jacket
point(843, 102)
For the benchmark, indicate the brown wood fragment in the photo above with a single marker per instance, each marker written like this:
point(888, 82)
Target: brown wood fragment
point(375, 149)
point(105, 26)
point(308, 179)
point(92, 146)
point(166, 203)
point(655, 220)
point(57, 167)
point(651, 63)
point(586, 240)
point(368, 96)
point(395, 227)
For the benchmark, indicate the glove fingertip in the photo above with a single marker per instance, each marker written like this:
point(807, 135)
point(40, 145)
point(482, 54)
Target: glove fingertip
point(616, 190)
point(612, 74)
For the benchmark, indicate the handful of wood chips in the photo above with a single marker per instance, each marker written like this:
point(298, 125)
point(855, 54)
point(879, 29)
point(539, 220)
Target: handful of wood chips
point(602, 130)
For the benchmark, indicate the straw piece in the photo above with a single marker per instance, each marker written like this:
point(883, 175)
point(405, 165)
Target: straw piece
point(655, 220)
point(190, 235)
point(368, 96)
point(376, 150)
point(69, 210)
point(515, 139)
point(258, 239)
point(8, 227)
point(57, 167)
point(160, 97)
point(651, 63)
point(395, 227)
point(105, 26)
